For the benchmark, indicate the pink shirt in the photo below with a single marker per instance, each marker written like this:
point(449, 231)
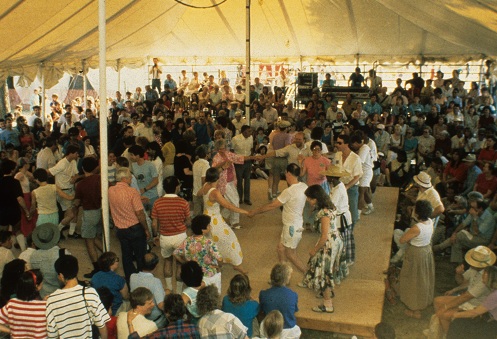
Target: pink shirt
point(124, 201)
point(314, 167)
point(228, 175)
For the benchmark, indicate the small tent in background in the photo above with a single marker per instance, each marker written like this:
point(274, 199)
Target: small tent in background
point(76, 89)
point(14, 97)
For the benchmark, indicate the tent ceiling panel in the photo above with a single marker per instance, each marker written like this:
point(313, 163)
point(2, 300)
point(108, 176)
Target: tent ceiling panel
point(61, 33)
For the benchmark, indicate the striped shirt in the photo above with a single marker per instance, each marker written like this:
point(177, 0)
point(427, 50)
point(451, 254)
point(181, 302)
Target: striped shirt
point(71, 316)
point(124, 201)
point(171, 212)
point(26, 319)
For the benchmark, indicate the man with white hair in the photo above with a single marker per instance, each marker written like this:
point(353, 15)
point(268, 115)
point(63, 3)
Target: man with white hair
point(129, 218)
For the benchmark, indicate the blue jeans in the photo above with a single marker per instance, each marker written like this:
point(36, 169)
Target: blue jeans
point(353, 194)
point(133, 247)
point(243, 180)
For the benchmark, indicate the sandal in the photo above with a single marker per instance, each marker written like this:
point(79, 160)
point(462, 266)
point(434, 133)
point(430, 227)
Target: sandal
point(323, 309)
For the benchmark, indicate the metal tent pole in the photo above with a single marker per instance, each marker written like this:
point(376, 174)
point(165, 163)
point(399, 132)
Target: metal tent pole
point(103, 122)
point(247, 63)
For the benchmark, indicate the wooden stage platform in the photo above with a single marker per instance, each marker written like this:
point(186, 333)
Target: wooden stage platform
point(358, 300)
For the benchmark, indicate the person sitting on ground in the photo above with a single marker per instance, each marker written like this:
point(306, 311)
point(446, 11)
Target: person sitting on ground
point(46, 238)
point(239, 302)
point(177, 327)
point(142, 302)
point(108, 263)
point(6, 254)
point(145, 278)
point(478, 322)
point(107, 298)
point(214, 322)
point(24, 315)
point(191, 274)
point(477, 229)
point(10, 279)
point(272, 325)
point(68, 314)
point(472, 289)
point(280, 297)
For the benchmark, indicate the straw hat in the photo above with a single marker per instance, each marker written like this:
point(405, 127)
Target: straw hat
point(335, 171)
point(480, 256)
point(470, 158)
point(46, 236)
point(423, 180)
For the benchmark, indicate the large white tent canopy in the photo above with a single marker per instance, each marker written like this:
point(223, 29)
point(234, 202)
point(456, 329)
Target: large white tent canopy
point(53, 37)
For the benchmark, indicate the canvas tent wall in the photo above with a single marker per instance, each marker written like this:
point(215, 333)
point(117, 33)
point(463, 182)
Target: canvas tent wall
point(76, 89)
point(63, 33)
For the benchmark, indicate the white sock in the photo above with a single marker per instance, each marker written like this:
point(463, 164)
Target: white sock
point(370, 205)
point(61, 226)
point(21, 240)
point(169, 283)
point(72, 228)
point(179, 286)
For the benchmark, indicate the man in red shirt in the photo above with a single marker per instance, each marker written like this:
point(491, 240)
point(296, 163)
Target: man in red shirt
point(89, 195)
point(170, 216)
point(129, 218)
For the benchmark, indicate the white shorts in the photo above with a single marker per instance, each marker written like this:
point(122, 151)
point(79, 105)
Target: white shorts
point(366, 178)
point(168, 243)
point(64, 203)
point(291, 235)
point(214, 280)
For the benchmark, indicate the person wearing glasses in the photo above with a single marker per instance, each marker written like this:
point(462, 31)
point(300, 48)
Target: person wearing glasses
point(477, 229)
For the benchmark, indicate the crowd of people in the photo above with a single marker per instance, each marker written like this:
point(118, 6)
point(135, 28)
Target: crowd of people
point(181, 160)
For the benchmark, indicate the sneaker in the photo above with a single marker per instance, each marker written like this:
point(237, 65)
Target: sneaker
point(397, 257)
point(323, 309)
point(368, 210)
point(74, 236)
point(301, 284)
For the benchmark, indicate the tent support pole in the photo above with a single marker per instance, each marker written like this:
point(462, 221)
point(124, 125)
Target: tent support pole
point(119, 75)
point(247, 63)
point(43, 93)
point(103, 122)
point(480, 78)
point(83, 63)
point(357, 60)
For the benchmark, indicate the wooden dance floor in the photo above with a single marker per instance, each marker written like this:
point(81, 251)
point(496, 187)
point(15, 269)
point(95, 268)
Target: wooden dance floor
point(358, 300)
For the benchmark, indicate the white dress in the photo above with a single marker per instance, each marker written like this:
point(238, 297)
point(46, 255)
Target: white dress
point(222, 234)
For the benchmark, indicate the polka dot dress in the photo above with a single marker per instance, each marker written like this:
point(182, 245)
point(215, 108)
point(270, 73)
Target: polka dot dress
point(222, 234)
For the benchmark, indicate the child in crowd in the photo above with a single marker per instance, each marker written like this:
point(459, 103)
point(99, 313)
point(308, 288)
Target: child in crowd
point(191, 275)
point(44, 199)
point(272, 325)
point(198, 247)
point(239, 302)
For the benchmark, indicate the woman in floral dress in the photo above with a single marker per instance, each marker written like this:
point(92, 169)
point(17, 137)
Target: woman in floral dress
point(327, 264)
point(222, 235)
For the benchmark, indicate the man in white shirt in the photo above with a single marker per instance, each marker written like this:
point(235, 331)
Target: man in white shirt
point(238, 122)
point(331, 113)
point(351, 163)
point(258, 122)
point(358, 146)
point(46, 158)
point(258, 86)
point(270, 114)
point(199, 169)
point(242, 145)
point(66, 174)
point(293, 201)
